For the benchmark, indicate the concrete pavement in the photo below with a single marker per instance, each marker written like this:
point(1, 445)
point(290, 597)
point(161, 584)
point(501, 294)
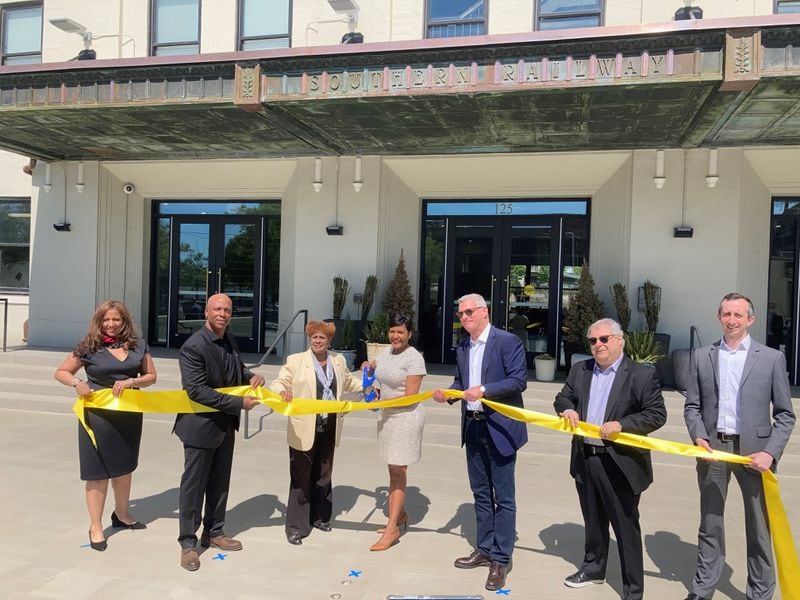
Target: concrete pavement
point(45, 553)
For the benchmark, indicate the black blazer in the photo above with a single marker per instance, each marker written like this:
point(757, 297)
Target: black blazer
point(202, 370)
point(635, 401)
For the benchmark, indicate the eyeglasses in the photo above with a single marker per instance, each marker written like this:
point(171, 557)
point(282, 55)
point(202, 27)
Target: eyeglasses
point(603, 339)
point(468, 312)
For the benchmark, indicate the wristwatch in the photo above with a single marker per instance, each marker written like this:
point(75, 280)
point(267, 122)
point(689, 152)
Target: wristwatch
point(483, 390)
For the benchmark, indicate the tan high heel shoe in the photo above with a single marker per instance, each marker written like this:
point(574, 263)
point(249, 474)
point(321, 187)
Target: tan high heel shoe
point(402, 521)
point(386, 542)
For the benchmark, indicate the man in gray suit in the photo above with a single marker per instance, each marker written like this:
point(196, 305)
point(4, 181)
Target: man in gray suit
point(738, 401)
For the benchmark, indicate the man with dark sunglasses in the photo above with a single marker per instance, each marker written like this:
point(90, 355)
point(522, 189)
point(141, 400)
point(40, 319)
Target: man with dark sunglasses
point(490, 363)
point(616, 394)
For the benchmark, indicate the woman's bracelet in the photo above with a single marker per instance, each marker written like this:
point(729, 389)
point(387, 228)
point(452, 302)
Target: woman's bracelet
point(75, 382)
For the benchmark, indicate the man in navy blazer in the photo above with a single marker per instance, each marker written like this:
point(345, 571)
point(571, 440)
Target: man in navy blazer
point(617, 394)
point(490, 364)
point(738, 400)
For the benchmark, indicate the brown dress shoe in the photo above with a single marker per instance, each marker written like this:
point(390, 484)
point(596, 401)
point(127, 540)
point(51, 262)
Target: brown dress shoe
point(497, 577)
point(221, 541)
point(189, 559)
point(476, 559)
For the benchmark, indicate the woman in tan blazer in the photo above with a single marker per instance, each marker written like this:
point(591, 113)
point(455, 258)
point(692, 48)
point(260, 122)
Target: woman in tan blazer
point(315, 373)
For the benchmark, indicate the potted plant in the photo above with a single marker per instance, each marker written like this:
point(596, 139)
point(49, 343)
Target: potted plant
point(347, 342)
point(376, 335)
point(585, 307)
point(619, 295)
point(641, 347)
point(545, 367)
point(650, 295)
point(397, 298)
point(340, 289)
point(368, 297)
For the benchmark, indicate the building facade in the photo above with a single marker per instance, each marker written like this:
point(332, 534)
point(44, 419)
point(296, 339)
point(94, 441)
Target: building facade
point(238, 146)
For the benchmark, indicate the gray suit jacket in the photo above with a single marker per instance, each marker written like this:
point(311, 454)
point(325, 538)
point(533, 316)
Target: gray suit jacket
point(766, 418)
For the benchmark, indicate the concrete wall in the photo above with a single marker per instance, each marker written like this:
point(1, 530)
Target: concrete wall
point(107, 252)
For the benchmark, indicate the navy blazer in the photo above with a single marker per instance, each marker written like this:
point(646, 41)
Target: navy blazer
point(504, 374)
point(202, 370)
point(635, 400)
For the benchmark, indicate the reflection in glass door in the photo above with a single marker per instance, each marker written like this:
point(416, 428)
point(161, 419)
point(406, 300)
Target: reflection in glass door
point(523, 257)
point(234, 251)
point(782, 299)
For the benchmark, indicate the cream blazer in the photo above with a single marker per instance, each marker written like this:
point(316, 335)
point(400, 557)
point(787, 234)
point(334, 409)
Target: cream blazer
point(299, 376)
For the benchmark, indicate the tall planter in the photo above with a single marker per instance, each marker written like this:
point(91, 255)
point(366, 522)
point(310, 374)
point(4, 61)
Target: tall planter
point(545, 367)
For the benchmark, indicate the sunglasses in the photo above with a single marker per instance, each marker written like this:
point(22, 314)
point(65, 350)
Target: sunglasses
point(468, 312)
point(603, 339)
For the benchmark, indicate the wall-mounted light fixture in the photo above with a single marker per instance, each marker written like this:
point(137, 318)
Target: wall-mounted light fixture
point(357, 182)
point(48, 183)
point(659, 179)
point(79, 180)
point(317, 183)
point(712, 178)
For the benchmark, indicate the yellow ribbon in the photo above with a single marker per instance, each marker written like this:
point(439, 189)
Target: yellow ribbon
point(788, 565)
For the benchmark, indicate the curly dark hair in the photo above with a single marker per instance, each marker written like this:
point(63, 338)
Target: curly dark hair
point(93, 341)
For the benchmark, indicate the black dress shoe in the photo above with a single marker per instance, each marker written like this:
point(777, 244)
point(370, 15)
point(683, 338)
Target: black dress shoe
point(99, 546)
point(580, 579)
point(323, 525)
point(693, 596)
point(115, 522)
point(294, 538)
point(476, 559)
point(497, 577)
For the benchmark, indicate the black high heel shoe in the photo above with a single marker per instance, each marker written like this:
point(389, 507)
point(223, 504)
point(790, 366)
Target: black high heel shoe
point(99, 546)
point(115, 522)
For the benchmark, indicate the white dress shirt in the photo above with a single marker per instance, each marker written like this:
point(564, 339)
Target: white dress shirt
point(731, 364)
point(476, 348)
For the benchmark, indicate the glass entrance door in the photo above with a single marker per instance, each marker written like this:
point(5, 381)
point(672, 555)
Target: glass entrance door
point(508, 262)
point(216, 255)
point(522, 256)
point(234, 251)
point(782, 298)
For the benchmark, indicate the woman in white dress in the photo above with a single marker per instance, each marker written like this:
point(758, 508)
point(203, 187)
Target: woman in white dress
point(399, 371)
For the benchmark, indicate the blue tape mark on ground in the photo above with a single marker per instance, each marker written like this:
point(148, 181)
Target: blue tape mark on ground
point(219, 556)
point(355, 574)
point(85, 545)
point(503, 592)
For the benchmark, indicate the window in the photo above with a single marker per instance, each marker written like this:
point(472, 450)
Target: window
point(15, 241)
point(22, 34)
point(452, 18)
point(783, 7)
point(568, 14)
point(264, 24)
point(176, 27)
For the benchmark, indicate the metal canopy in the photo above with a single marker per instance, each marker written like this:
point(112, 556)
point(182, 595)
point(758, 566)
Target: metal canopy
point(726, 83)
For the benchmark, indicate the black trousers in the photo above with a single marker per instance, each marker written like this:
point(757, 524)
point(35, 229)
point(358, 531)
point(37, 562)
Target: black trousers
point(310, 487)
point(206, 474)
point(606, 497)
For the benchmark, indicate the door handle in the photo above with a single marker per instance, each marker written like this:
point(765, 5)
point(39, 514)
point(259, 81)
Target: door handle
point(219, 280)
point(208, 272)
point(508, 292)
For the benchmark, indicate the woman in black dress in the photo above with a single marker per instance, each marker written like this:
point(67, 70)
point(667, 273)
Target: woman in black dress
point(113, 356)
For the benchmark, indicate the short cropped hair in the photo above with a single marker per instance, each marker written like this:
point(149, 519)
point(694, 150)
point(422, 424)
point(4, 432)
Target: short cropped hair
point(402, 319)
point(737, 296)
point(325, 328)
point(476, 298)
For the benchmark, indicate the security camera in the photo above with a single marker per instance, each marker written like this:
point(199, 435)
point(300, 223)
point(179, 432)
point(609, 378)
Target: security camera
point(128, 188)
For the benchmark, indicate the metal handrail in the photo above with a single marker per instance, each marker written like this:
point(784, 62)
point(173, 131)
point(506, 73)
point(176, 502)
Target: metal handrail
point(5, 321)
point(693, 333)
point(281, 336)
